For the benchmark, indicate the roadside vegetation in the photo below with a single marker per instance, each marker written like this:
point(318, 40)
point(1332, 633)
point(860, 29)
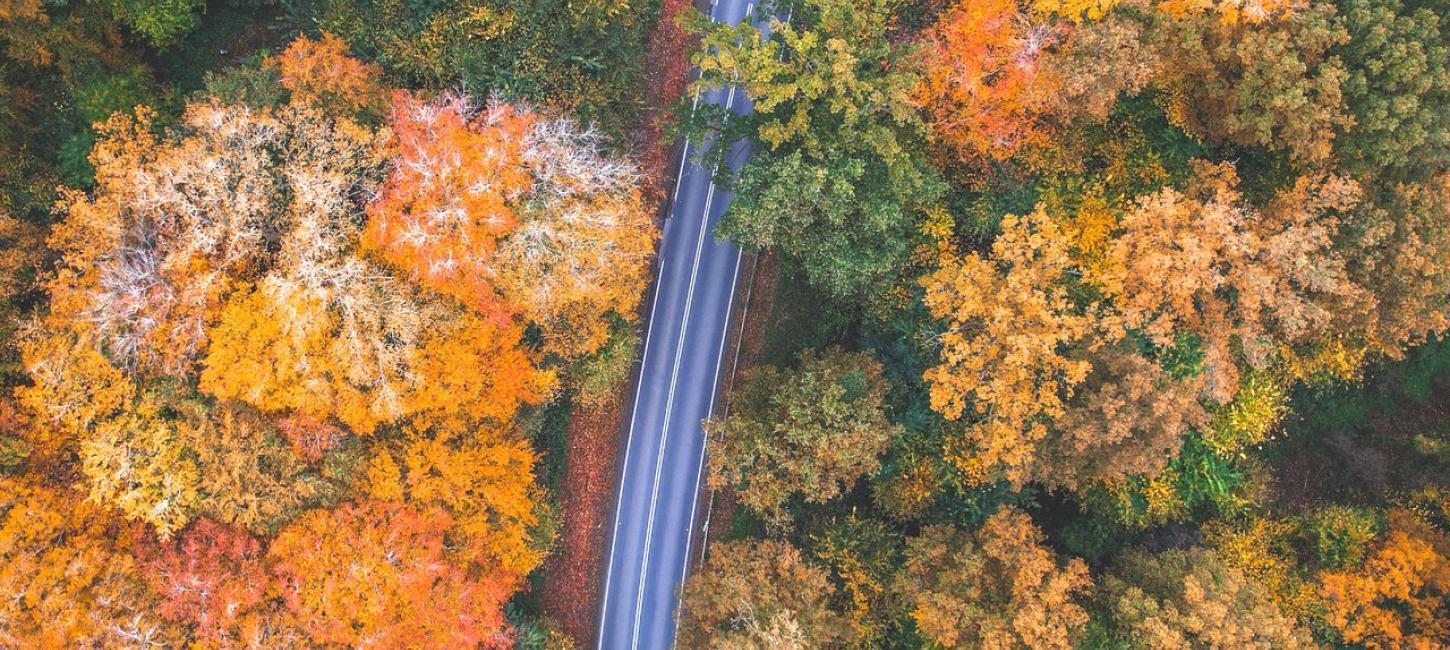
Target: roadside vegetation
point(1100, 325)
point(1090, 323)
point(297, 299)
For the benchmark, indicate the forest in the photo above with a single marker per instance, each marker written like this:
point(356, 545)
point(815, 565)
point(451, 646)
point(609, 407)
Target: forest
point(1100, 324)
point(283, 334)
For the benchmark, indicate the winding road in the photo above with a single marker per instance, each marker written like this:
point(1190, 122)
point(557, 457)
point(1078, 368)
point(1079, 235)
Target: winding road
point(655, 515)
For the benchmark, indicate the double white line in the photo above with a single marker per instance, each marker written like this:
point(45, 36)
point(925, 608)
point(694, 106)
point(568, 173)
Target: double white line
point(669, 401)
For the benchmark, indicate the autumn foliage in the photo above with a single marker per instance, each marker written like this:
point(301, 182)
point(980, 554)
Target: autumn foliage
point(69, 580)
point(483, 478)
point(277, 395)
point(211, 577)
point(377, 575)
point(1010, 313)
point(1071, 323)
point(1189, 599)
point(449, 198)
point(809, 430)
point(758, 595)
point(996, 587)
point(511, 212)
point(982, 59)
point(1397, 597)
point(1242, 280)
point(322, 73)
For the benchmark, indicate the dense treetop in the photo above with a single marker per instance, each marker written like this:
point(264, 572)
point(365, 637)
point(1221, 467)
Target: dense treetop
point(269, 383)
point(1092, 323)
point(1158, 297)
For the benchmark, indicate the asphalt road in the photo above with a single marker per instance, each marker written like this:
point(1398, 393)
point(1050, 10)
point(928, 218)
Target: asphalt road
point(664, 450)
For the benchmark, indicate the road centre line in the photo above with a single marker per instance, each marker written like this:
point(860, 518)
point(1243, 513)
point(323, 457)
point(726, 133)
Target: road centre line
point(670, 399)
point(705, 447)
point(649, 331)
point(624, 469)
point(638, 391)
point(665, 432)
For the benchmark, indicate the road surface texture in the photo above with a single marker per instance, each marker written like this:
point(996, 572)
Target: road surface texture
point(664, 448)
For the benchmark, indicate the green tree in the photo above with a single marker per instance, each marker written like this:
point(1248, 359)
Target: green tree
point(862, 554)
point(584, 57)
point(163, 22)
point(813, 430)
point(1398, 87)
point(830, 79)
point(836, 187)
point(64, 65)
point(837, 217)
point(1341, 535)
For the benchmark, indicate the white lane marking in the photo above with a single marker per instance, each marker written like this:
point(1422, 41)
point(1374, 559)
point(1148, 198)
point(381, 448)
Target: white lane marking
point(639, 389)
point(674, 196)
point(714, 391)
point(670, 398)
point(629, 441)
point(628, 445)
point(669, 407)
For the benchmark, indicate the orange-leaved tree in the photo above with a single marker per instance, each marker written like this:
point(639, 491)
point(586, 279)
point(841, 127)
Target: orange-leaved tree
point(452, 194)
point(583, 246)
point(483, 477)
point(1396, 597)
point(138, 461)
point(68, 579)
point(1243, 279)
point(1400, 242)
point(179, 219)
point(471, 369)
point(980, 62)
point(997, 587)
point(1229, 12)
point(1041, 372)
point(213, 577)
point(375, 574)
point(514, 213)
point(72, 386)
point(1009, 319)
point(345, 354)
point(1191, 599)
point(322, 73)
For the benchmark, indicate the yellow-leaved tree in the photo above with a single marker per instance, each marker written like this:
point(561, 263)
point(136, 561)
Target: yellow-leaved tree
point(998, 587)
